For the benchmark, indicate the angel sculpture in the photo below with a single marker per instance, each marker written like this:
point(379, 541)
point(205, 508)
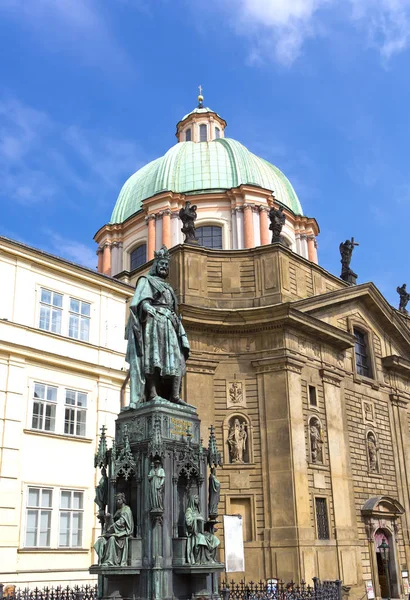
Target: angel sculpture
point(277, 220)
point(188, 216)
point(346, 250)
point(404, 298)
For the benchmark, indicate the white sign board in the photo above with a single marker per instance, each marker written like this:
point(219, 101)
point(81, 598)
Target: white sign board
point(369, 590)
point(233, 536)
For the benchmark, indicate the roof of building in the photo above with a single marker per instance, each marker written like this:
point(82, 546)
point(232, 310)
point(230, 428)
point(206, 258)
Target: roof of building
point(200, 110)
point(195, 168)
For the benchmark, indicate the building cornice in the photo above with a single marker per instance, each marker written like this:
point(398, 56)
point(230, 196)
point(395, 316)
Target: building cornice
point(58, 361)
point(264, 318)
point(279, 360)
point(397, 364)
point(372, 300)
point(65, 267)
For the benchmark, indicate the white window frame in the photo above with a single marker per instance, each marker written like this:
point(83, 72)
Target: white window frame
point(71, 511)
point(55, 519)
point(39, 509)
point(61, 405)
point(52, 308)
point(77, 409)
point(45, 403)
point(82, 318)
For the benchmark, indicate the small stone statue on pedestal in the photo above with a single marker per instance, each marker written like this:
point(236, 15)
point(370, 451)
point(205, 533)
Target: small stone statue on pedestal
point(201, 544)
point(188, 217)
point(214, 492)
point(404, 298)
point(101, 495)
point(316, 441)
point(156, 478)
point(112, 546)
point(346, 250)
point(157, 343)
point(277, 221)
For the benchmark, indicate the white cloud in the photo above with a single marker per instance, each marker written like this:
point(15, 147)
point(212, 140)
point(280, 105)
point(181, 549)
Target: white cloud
point(278, 29)
point(71, 249)
point(43, 161)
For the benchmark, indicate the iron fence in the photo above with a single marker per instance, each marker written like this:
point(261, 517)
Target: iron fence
point(274, 589)
point(84, 592)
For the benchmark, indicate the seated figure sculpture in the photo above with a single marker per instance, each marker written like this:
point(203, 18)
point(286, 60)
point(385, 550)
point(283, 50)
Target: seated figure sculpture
point(201, 544)
point(112, 546)
point(157, 343)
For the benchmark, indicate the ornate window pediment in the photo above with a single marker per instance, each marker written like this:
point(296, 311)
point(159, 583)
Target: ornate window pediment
point(382, 506)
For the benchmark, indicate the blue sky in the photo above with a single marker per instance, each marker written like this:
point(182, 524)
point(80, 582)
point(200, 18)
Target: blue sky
point(91, 90)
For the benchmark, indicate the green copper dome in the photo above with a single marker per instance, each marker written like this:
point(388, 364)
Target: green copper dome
point(195, 168)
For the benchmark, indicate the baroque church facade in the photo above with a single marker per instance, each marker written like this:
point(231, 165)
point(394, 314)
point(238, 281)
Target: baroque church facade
point(307, 374)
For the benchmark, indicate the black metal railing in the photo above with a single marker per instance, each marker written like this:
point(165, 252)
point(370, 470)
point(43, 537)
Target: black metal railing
point(84, 592)
point(274, 589)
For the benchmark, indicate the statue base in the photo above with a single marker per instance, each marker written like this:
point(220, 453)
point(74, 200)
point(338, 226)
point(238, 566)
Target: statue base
point(162, 432)
point(349, 276)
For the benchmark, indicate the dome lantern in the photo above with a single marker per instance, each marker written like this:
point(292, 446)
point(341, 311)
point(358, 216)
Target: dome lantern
point(200, 125)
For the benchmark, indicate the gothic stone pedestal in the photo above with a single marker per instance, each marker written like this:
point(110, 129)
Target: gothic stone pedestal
point(158, 570)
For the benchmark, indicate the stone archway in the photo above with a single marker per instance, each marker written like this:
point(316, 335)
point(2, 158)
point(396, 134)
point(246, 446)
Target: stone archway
point(381, 517)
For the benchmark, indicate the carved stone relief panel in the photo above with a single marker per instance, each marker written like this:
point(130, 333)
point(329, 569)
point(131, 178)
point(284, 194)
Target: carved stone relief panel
point(368, 411)
point(235, 393)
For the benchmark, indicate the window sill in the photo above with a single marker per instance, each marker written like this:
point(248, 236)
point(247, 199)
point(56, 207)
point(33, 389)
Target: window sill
point(318, 466)
point(60, 436)
point(238, 466)
point(367, 380)
point(52, 550)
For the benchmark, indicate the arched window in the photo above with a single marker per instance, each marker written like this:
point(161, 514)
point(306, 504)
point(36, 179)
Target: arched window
point(217, 132)
point(188, 135)
point(138, 256)
point(361, 348)
point(210, 236)
point(203, 133)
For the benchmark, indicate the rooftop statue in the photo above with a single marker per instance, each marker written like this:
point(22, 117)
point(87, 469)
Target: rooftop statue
point(157, 343)
point(188, 217)
point(277, 220)
point(346, 250)
point(404, 298)
point(112, 545)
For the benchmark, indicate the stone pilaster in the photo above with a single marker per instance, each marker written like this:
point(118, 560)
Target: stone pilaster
point(284, 465)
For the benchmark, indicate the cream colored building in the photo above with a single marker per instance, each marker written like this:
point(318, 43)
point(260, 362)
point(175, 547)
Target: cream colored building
point(61, 370)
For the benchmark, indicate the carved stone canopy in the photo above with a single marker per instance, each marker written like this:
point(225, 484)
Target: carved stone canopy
point(382, 507)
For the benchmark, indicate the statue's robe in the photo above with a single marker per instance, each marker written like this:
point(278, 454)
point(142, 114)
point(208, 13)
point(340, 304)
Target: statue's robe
point(201, 546)
point(113, 551)
point(155, 343)
point(214, 494)
point(156, 488)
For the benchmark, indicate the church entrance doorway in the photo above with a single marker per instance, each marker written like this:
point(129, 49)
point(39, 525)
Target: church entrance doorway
point(387, 574)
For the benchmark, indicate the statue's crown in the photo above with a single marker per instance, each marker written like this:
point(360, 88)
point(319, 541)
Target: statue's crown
point(162, 253)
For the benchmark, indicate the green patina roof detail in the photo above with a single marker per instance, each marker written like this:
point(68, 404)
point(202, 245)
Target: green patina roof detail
point(190, 167)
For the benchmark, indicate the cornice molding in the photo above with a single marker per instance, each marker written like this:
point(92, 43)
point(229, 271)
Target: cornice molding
point(397, 364)
point(399, 400)
point(279, 361)
point(264, 318)
point(330, 376)
point(196, 364)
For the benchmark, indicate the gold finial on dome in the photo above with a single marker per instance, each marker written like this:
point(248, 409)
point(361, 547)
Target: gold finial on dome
point(200, 97)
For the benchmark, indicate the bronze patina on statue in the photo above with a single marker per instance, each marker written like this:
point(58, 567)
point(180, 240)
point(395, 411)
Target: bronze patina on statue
point(157, 343)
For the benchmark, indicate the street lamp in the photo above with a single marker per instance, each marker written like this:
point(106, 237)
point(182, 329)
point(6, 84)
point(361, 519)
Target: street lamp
point(384, 550)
